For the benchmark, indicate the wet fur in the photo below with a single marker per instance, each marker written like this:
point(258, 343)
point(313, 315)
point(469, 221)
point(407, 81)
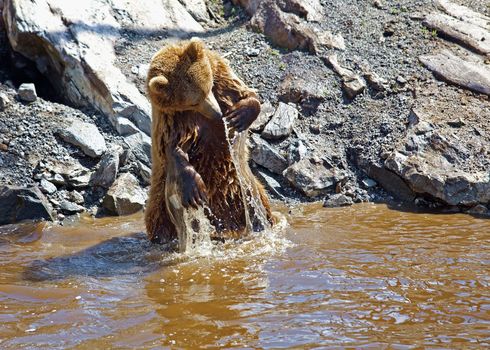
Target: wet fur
point(201, 139)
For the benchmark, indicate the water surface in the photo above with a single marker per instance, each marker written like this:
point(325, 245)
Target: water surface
point(364, 277)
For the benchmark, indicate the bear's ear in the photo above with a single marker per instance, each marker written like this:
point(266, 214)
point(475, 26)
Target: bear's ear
point(158, 84)
point(195, 50)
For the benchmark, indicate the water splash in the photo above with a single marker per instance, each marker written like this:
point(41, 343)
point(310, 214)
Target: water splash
point(196, 227)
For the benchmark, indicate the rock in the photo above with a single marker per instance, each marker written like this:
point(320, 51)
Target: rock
point(106, 172)
point(461, 30)
point(85, 136)
point(145, 173)
point(70, 173)
point(265, 155)
point(4, 101)
point(76, 197)
point(312, 178)
point(266, 112)
point(281, 123)
point(70, 208)
point(453, 69)
point(369, 183)
point(271, 184)
point(47, 187)
point(373, 79)
point(297, 151)
point(390, 181)
point(197, 9)
point(72, 43)
point(23, 203)
point(125, 127)
point(353, 84)
point(464, 13)
point(125, 196)
point(27, 92)
point(430, 173)
point(140, 146)
point(58, 180)
point(338, 200)
point(478, 210)
point(306, 88)
point(289, 23)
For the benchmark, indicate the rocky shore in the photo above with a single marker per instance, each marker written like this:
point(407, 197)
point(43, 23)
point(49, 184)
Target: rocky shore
point(391, 105)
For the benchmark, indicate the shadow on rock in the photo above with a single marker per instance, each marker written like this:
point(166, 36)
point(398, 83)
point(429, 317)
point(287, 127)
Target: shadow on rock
point(127, 255)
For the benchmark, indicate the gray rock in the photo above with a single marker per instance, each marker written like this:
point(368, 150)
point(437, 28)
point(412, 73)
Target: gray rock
point(453, 69)
point(297, 151)
point(338, 200)
point(311, 177)
point(197, 9)
point(266, 112)
point(47, 187)
point(125, 127)
point(76, 197)
point(305, 87)
point(479, 209)
point(145, 173)
point(106, 172)
point(85, 136)
point(58, 180)
point(369, 183)
point(282, 122)
point(464, 13)
point(27, 92)
point(125, 196)
point(4, 101)
point(460, 30)
point(271, 184)
point(70, 173)
point(140, 146)
point(70, 208)
point(22, 203)
point(265, 155)
point(353, 84)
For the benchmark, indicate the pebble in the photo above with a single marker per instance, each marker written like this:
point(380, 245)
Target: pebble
point(27, 92)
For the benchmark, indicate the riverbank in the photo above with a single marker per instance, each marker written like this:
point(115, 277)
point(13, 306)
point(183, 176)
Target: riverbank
point(373, 115)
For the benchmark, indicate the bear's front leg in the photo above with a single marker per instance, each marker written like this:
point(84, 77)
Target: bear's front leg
point(192, 188)
point(243, 113)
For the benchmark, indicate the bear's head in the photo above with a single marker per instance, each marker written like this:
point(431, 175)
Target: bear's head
point(180, 78)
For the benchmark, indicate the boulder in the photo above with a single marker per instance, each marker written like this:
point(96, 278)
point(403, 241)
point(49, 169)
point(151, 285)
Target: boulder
point(469, 75)
point(311, 177)
point(289, 23)
point(23, 203)
point(71, 208)
point(125, 196)
point(106, 172)
point(27, 92)
point(265, 155)
point(47, 187)
point(70, 173)
point(439, 163)
point(465, 27)
point(86, 136)
point(281, 123)
point(266, 112)
point(306, 88)
point(197, 9)
point(338, 200)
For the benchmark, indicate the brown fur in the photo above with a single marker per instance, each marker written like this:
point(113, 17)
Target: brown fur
point(189, 149)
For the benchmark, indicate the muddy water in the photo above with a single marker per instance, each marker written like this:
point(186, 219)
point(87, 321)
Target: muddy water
point(363, 277)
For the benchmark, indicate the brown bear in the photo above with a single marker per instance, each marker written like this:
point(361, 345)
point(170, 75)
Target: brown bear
point(193, 92)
